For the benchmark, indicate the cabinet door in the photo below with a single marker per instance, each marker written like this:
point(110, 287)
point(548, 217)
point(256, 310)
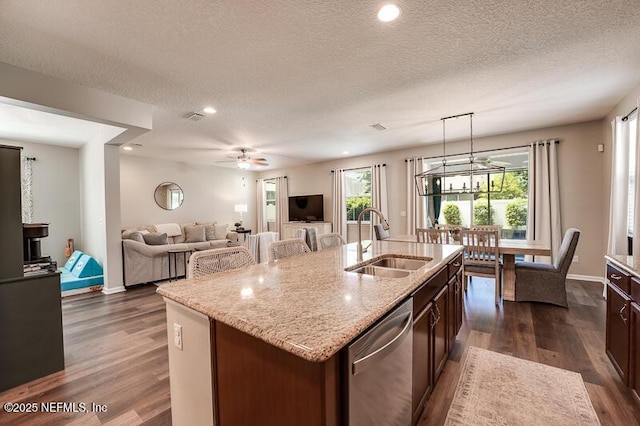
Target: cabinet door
point(634, 367)
point(618, 330)
point(440, 332)
point(422, 365)
point(451, 311)
point(459, 303)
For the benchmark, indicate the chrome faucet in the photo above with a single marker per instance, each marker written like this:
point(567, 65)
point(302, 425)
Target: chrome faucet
point(385, 226)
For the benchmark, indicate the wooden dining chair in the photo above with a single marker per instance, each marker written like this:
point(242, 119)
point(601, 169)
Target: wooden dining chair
point(488, 228)
point(433, 236)
point(455, 232)
point(481, 257)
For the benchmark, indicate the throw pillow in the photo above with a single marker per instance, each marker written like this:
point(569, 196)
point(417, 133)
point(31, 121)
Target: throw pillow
point(137, 236)
point(210, 232)
point(220, 231)
point(155, 239)
point(194, 234)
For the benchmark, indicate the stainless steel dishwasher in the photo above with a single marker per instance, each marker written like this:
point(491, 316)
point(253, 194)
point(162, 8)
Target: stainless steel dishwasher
point(379, 371)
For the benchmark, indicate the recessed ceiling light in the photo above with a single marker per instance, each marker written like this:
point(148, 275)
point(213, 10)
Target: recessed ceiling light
point(345, 153)
point(128, 148)
point(388, 13)
point(210, 110)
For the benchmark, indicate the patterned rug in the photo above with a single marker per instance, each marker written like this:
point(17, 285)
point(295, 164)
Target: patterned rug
point(497, 389)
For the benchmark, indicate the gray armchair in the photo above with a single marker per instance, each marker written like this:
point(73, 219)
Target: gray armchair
point(539, 282)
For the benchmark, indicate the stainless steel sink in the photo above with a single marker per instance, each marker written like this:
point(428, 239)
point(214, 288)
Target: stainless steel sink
point(382, 272)
point(400, 263)
point(391, 266)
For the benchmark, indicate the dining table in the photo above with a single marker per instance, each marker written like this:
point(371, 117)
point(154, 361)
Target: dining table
point(508, 249)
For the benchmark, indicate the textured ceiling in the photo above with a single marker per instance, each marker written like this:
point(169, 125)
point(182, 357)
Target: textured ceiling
point(302, 81)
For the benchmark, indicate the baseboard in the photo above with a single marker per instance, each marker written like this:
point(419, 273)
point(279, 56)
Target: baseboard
point(79, 291)
point(114, 290)
point(586, 278)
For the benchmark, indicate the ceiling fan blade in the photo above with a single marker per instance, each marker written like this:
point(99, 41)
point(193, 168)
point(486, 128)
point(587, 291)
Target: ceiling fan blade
point(259, 159)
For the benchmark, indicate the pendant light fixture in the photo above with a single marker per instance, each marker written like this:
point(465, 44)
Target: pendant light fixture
point(460, 177)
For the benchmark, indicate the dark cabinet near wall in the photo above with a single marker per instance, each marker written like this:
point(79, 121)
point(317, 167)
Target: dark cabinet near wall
point(10, 213)
point(31, 339)
point(437, 307)
point(623, 321)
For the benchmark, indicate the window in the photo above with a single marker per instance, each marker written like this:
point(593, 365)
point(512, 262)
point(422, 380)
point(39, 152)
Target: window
point(633, 127)
point(270, 199)
point(507, 208)
point(357, 193)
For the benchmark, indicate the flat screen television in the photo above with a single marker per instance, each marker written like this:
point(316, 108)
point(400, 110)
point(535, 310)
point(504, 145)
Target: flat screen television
point(306, 208)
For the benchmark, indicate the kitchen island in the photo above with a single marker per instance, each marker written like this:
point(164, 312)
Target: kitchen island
point(262, 345)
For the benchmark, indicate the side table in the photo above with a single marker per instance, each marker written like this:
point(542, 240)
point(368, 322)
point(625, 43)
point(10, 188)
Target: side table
point(244, 233)
point(173, 257)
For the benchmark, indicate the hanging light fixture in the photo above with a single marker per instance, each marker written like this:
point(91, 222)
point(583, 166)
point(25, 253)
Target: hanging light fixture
point(460, 177)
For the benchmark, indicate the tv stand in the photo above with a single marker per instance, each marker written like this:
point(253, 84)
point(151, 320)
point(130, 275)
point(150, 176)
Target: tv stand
point(289, 228)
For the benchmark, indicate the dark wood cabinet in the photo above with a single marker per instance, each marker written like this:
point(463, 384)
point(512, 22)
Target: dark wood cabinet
point(439, 324)
point(634, 359)
point(422, 362)
point(437, 310)
point(618, 330)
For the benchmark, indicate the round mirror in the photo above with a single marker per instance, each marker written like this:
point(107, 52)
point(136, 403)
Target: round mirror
point(168, 195)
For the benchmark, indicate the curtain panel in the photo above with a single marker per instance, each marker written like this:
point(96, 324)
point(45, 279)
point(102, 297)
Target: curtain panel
point(379, 196)
point(618, 202)
point(543, 222)
point(416, 205)
point(282, 202)
point(636, 210)
point(339, 209)
point(261, 206)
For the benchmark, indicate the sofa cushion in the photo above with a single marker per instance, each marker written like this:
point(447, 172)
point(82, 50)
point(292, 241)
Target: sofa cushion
point(194, 234)
point(205, 245)
point(178, 239)
point(155, 239)
point(220, 231)
point(210, 232)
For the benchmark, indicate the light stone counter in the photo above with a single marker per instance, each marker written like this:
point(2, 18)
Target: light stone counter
point(308, 305)
point(625, 262)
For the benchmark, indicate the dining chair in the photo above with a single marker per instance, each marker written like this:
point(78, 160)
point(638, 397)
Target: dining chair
point(433, 235)
point(541, 282)
point(331, 240)
point(481, 257)
point(488, 228)
point(287, 248)
point(455, 231)
point(381, 233)
point(207, 262)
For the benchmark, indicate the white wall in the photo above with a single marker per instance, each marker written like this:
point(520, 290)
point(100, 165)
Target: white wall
point(581, 184)
point(56, 194)
point(210, 192)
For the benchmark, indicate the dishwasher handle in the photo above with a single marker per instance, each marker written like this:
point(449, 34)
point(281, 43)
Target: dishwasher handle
point(364, 363)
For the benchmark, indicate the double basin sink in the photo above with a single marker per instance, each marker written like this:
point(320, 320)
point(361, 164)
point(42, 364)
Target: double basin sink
point(391, 266)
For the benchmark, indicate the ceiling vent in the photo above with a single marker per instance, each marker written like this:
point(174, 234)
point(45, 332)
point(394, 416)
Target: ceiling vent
point(378, 126)
point(194, 116)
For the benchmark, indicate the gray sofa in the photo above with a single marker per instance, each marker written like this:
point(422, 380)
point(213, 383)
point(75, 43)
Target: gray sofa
point(145, 248)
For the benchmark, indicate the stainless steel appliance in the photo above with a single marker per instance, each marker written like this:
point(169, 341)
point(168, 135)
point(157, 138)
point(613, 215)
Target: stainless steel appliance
point(379, 371)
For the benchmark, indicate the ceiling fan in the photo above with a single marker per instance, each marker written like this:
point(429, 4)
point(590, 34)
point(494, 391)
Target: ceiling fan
point(244, 161)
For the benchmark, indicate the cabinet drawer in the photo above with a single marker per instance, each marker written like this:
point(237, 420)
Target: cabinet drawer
point(454, 266)
point(424, 294)
point(619, 278)
point(635, 290)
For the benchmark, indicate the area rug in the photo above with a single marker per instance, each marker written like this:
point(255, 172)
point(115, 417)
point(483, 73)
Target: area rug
point(497, 389)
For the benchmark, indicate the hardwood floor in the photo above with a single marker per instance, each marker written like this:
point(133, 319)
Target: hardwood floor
point(116, 355)
point(573, 339)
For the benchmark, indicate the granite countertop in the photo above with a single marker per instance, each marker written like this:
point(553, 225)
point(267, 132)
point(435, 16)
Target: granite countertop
point(308, 305)
point(625, 262)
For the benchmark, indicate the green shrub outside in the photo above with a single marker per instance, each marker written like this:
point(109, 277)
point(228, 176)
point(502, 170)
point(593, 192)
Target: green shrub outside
point(451, 214)
point(481, 213)
point(516, 213)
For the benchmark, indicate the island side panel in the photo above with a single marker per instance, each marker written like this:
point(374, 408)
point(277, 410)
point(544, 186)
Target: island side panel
point(190, 369)
point(258, 383)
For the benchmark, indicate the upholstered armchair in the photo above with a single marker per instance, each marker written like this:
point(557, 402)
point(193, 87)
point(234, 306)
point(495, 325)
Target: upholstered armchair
point(539, 282)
